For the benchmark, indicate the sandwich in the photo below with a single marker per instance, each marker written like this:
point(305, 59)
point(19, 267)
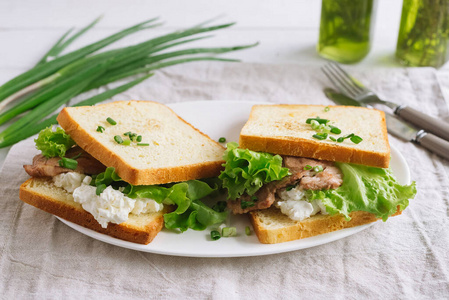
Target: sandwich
point(126, 169)
point(304, 170)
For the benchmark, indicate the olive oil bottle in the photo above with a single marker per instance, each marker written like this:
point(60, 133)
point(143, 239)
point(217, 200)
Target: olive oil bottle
point(345, 29)
point(423, 38)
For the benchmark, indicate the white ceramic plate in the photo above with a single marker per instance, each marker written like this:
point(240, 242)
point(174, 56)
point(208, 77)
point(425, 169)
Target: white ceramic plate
point(225, 119)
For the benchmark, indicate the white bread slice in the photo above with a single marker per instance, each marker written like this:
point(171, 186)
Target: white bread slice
point(43, 194)
point(176, 152)
point(282, 129)
point(272, 226)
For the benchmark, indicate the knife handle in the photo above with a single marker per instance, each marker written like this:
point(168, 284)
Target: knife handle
point(423, 121)
point(433, 143)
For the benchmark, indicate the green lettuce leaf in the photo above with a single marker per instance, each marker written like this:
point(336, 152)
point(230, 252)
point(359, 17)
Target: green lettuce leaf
point(190, 212)
point(369, 189)
point(246, 171)
point(53, 143)
point(197, 215)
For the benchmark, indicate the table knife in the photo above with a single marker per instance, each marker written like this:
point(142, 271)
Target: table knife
point(398, 127)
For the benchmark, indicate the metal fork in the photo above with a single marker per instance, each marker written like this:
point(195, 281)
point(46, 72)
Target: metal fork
point(354, 89)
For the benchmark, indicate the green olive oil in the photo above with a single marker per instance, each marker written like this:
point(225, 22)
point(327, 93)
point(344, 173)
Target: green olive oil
point(423, 33)
point(345, 29)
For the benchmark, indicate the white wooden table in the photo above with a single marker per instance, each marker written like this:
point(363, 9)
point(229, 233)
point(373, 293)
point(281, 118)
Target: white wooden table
point(287, 29)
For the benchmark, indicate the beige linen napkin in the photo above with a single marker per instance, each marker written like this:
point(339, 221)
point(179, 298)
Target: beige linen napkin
point(404, 258)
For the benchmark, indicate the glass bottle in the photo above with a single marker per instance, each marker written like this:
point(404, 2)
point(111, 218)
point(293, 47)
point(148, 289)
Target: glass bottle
point(345, 29)
point(423, 33)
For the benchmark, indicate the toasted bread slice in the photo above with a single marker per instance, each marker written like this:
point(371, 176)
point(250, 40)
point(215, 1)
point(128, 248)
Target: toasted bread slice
point(176, 151)
point(43, 194)
point(282, 129)
point(272, 226)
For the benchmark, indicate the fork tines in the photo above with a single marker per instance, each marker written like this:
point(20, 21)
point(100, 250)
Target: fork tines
point(342, 80)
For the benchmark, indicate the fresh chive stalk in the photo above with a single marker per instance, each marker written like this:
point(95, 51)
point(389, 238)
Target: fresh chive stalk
point(11, 136)
point(45, 94)
point(56, 79)
point(62, 43)
point(41, 71)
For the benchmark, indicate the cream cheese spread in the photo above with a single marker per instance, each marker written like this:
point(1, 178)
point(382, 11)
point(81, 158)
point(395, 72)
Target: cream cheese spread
point(294, 204)
point(110, 206)
point(69, 181)
point(146, 205)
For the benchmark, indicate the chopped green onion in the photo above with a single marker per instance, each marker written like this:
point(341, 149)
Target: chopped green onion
point(77, 156)
point(215, 235)
point(308, 167)
point(335, 130)
point(318, 168)
point(220, 206)
point(332, 138)
point(100, 188)
point(111, 121)
point(320, 136)
point(100, 129)
point(326, 109)
point(315, 125)
point(126, 142)
point(68, 163)
point(247, 230)
point(356, 139)
point(229, 231)
point(143, 144)
point(132, 136)
point(290, 187)
point(246, 204)
point(318, 119)
point(222, 140)
point(118, 139)
point(139, 138)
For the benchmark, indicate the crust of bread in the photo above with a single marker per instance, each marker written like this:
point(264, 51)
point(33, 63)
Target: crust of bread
point(291, 140)
point(41, 193)
point(272, 227)
point(140, 176)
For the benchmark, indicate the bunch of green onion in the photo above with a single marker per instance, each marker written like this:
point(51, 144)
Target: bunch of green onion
point(29, 101)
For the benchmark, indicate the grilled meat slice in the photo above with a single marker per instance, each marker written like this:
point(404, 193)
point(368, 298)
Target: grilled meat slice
point(329, 178)
point(263, 198)
point(49, 167)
